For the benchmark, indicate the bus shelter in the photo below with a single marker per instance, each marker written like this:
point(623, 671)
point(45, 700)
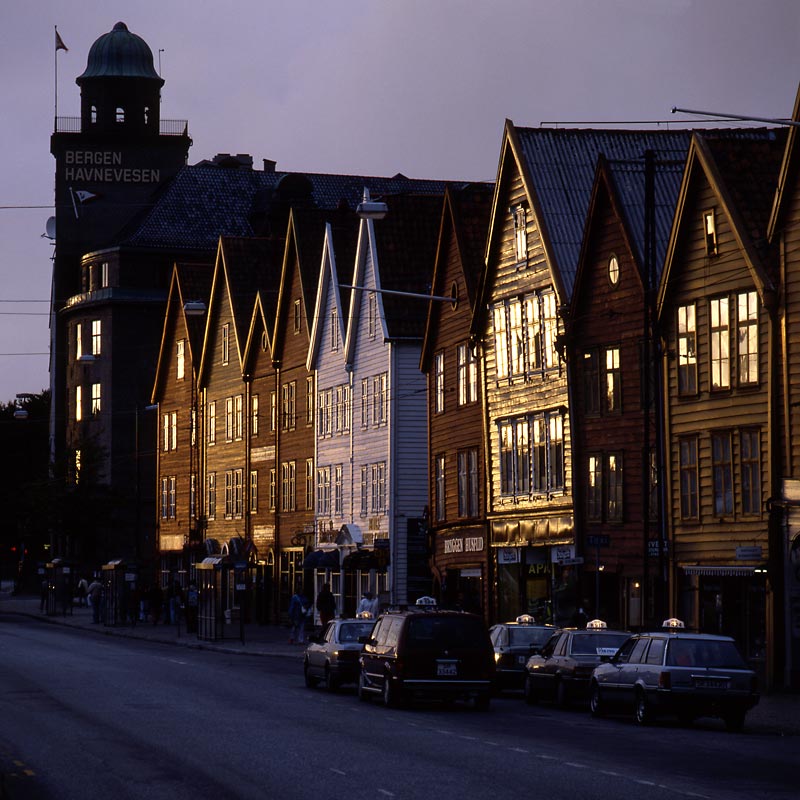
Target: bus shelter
point(119, 589)
point(60, 589)
point(222, 584)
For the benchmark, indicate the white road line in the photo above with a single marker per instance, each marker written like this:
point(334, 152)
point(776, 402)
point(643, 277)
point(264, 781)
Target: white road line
point(337, 771)
point(384, 792)
point(546, 758)
point(518, 750)
point(574, 764)
point(469, 738)
point(492, 744)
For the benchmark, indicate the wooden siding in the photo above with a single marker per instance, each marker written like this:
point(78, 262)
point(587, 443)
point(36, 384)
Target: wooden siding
point(696, 278)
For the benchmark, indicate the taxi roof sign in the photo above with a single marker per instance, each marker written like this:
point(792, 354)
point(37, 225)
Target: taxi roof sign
point(673, 622)
point(596, 625)
point(525, 619)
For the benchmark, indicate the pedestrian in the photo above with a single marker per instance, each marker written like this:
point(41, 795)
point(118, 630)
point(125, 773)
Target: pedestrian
point(192, 607)
point(83, 588)
point(326, 604)
point(174, 601)
point(299, 608)
point(368, 607)
point(95, 595)
point(43, 596)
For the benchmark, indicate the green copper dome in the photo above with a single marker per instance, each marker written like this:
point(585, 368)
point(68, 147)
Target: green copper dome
point(120, 54)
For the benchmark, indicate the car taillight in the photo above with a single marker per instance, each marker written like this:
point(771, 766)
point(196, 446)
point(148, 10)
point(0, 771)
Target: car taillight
point(664, 680)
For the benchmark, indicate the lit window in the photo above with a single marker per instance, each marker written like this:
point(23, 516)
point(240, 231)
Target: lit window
point(297, 318)
point(438, 382)
point(613, 270)
point(613, 381)
point(687, 350)
point(97, 338)
point(520, 234)
point(238, 416)
point(719, 330)
point(180, 365)
point(226, 342)
point(747, 338)
point(96, 398)
point(212, 422)
point(193, 496)
point(254, 415)
point(173, 425)
point(273, 411)
point(78, 403)
point(594, 488)
point(710, 228)
point(441, 498)
point(78, 341)
point(614, 487)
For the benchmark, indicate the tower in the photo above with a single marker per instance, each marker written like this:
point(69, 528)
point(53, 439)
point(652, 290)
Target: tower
point(106, 302)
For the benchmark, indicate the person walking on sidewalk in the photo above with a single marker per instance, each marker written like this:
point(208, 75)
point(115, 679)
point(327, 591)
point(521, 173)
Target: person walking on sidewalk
point(83, 588)
point(95, 595)
point(326, 604)
point(299, 608)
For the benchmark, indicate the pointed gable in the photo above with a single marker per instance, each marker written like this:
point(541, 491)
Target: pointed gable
point(788, 175)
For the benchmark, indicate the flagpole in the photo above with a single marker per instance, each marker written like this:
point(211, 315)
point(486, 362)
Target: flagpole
point(55, 69)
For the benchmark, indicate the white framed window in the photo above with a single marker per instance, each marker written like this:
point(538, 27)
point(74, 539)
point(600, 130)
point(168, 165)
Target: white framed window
point(324, 491)
point(297, 317)
point(273, 488)
point(180, 362)
point(710, 229)
point(173, 498)
point(364, 490)
point(288, 407)
point(78, 341)
point(254, 415)
point(310, 483)
point(226, 343)
point(719, 334)
point(173, 430)
point(193, 496)
point(97, 337)
point(520, 233)
point(238, 416)
point(337, 489)
point(468, 483)
point(78, 403)
point(612, 396)
point(273, 411)
point(288, 485)
point(364, 402)
point(228, 419)
point(372, 315)
point(309, 400)
point(687, 350)
point(467, 375)
point(253, 491)
point(335, 335)
point(97, 398)
point(238, 492)
point(441, 496)
point(438, 382)
point(212, 422)
point(747, 338)
point(211, 504)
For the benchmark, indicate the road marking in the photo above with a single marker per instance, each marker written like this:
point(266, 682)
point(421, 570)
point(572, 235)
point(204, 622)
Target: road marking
point(518, 750)
point(574, 764)
point(610, 773)
point(388, 794)
point(469, 738)
point(337, 771)
point(642, 782)
point(493, 744)
point(175, 661)
point(546, 758)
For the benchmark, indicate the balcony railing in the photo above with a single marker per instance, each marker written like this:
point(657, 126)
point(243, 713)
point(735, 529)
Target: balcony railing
point(167, 127)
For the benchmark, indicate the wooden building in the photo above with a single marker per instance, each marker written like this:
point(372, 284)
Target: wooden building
point(718, 312)
point(456, 519)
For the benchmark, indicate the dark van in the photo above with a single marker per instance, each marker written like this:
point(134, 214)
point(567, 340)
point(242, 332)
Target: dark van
point(430, 654)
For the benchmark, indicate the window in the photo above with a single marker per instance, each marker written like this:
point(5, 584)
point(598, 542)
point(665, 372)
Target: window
point(288, 406)
point(467, 375)
point(441, 497)
point(120, 114)
point(193, 496)
point(165, 432)
point(173, 430)
point(688, 467)
point(228, 419)
point(520, 234)
point(338, 410)
point(238, 416)
point(591, 382)
point(747, 338)
point(93, 115)
point(384, 397)
point(549, 330)
point(613, 381)
point(172, 497)
point(614, 489)
point(687, 350)
point(364, 402)
point(380, 399)
point(96, 398)
point(273, 411)
point(364, 491)
point(500, 344)
point(164, 497)
point(338, 472)
point(324, 491)
point(180, 365)
point(334, 329)
point(613, 270)
point(229, 494)
point(78, 341)
point(309, 401)
point(97, 337)
point(438, 382)
point(104, 274)
point(710, 228)
point(212, 422)
point(722, 468)
point(379, 488)
point(750, 457)
point(468, 483)
point(547, 443)
point(254, 415)
point(226, 342)
point(515, 454)
point(238, 492)
point(719, 330)
point(253, 491)
point(76, 467)
point(212, 495)
point(78, 403)
point(372, 315)
point(288, 481)
point(272, 488)
point(310, 483)
point(297, 319)
point(594, 488)
point(653, 485)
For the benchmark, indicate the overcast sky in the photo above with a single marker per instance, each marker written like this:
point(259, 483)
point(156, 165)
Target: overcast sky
point(371, 87)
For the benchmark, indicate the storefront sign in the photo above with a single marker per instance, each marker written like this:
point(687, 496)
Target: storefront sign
point(752, 553)
point(472, 572)
point(105, 166)
point(562, 554)
point(508, 555)
point(464, 544)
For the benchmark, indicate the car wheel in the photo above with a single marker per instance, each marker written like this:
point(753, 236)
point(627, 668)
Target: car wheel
point(685, 718)
point(389, 693)
point(331, 684)
point(596, 701)
point(311, 681)
point(734, 720)
point(562, 695)
point(363, 694)
point(531, 697)
point(644, 716)
point(482, 702)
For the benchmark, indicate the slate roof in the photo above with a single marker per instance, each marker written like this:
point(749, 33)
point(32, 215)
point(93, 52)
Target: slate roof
point(406, 241)
point(561, 164)
point(206, 201)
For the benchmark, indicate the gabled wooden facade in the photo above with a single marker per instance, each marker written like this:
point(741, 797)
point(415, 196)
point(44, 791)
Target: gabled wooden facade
point(718, 313)
point(615, 388)
point(784, 233)
point(383, 345)
point(179, 452)
point(457, 530)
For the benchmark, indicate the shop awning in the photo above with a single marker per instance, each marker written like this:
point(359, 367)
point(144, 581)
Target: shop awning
point(718, 570)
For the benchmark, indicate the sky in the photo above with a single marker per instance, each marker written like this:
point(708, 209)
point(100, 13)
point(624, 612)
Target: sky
point(372, 87)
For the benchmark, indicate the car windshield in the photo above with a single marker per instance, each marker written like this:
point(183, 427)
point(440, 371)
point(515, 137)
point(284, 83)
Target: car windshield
point(704, 653)
point(519, 637)
point(350, 631)
point(597, 644)
point(455, 631)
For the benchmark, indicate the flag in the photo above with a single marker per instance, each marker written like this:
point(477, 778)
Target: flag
point(84, 196)
point(60, 43)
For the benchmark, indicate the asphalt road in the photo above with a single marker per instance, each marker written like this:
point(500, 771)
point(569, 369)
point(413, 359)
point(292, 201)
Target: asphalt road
point(118, 718)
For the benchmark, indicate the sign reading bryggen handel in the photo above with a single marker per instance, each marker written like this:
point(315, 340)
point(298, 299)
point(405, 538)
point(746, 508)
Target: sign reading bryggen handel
point(464, 544)
point(105, 166)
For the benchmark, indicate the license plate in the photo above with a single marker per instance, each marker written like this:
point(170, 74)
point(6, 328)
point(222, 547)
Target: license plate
point(711, 683)
point(446, 669)
point(521, 660)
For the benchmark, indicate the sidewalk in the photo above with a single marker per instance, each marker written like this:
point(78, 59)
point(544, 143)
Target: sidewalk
point(777, 713)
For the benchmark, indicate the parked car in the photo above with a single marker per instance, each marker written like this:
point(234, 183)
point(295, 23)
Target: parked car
point(514, 643)
point(332, 657)
point(562, 670)
point(674, 671)
point(427, 653)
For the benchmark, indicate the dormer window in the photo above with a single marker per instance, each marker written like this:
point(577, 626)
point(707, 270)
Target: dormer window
point(297, 316)
point(520, 233)
point(93, 113)
point(710, 228)
point(120, 114)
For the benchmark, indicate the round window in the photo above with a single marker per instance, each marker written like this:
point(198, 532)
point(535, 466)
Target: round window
point(613, 270)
